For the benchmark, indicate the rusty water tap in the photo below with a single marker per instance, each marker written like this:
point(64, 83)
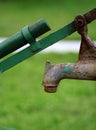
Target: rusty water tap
point(85, 68)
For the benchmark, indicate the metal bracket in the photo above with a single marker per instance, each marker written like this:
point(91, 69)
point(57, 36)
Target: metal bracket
point(88, 47)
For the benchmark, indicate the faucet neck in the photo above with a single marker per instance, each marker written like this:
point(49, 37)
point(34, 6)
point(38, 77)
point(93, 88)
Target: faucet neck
point(79, 70)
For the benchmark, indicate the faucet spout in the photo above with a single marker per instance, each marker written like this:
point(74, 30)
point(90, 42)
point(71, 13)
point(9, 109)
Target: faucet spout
point(52, 77)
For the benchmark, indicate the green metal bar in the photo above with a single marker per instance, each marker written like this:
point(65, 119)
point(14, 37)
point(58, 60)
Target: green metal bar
point(58, 35)
point(39, 46)
point(15, 59)
point(19, 39)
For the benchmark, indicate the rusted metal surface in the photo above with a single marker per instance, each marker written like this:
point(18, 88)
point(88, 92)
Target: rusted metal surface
point(85, 68)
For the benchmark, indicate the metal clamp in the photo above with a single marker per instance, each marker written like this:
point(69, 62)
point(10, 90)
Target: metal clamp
point(88, 47)
point(27, 35)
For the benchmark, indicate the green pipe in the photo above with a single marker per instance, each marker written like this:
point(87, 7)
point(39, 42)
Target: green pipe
point(25, 36)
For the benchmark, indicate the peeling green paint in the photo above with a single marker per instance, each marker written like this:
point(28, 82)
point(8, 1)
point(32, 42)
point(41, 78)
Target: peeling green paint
point(68, 69)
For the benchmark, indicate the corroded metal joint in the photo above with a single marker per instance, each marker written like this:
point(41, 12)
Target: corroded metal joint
point(80, 21)
point(80, 24)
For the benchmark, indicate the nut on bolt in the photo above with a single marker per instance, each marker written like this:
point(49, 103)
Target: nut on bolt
point(80, 21)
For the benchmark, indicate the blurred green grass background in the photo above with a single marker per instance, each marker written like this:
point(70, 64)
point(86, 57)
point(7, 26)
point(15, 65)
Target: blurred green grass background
point(16, 14)
point(23, 103)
